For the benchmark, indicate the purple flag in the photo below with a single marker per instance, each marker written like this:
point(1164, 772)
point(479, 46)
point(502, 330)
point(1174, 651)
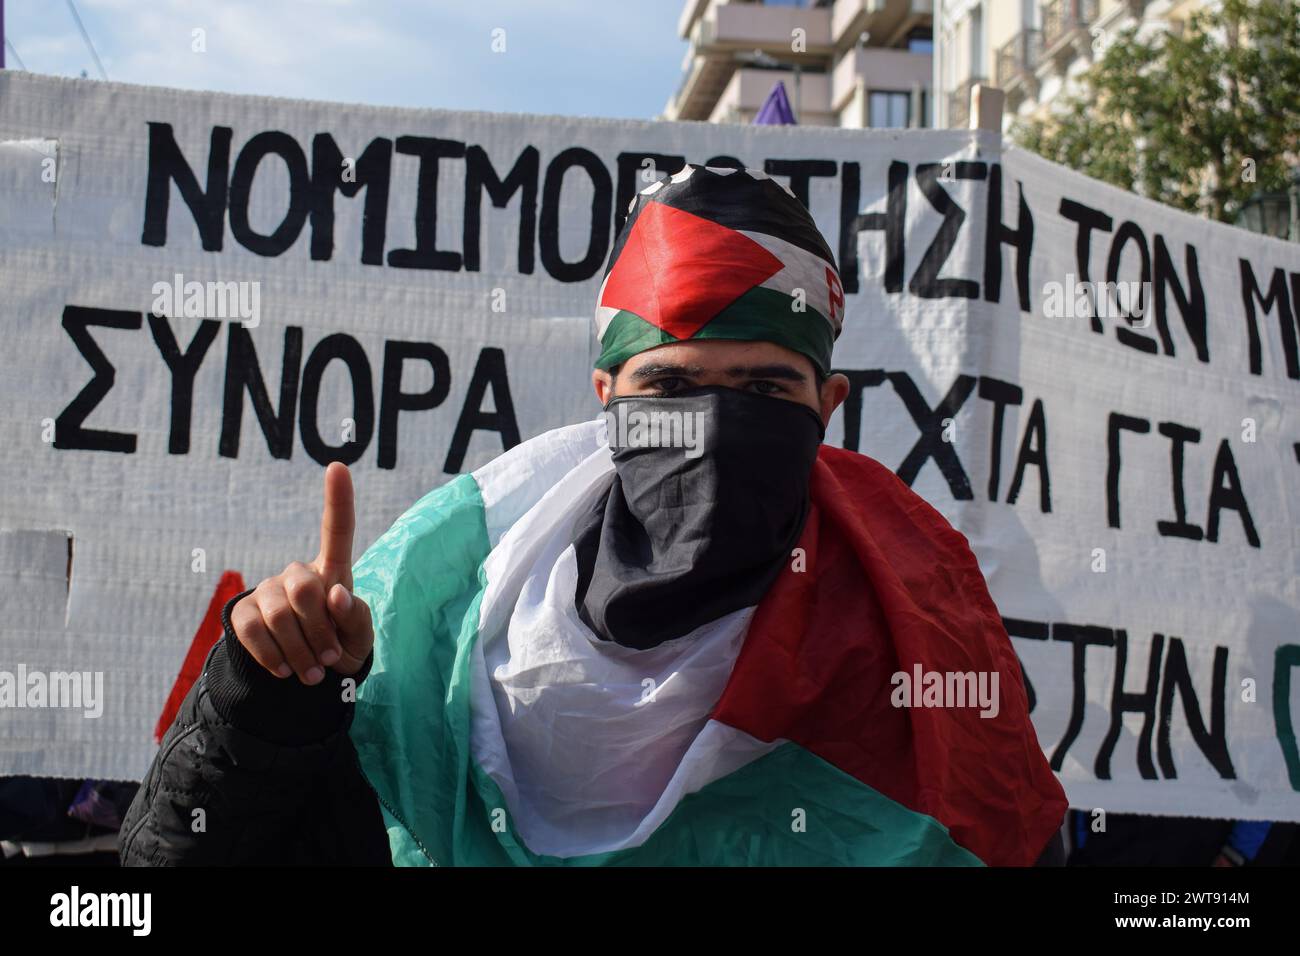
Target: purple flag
point(776, 109)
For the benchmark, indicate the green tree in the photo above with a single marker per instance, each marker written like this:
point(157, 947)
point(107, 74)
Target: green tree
point(1187, 119)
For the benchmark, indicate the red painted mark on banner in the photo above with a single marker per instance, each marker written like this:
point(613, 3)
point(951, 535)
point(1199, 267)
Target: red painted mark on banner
point(209, 632)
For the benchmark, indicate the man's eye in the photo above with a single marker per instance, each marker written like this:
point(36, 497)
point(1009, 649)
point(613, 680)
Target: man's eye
point(765, 387)
point(667, 384)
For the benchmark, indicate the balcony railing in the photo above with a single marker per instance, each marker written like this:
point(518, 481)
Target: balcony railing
point(1062, 17)
point(1018, 57)
point(959, 103)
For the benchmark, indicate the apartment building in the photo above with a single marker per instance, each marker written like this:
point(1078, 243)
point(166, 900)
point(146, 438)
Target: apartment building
point(852, 63)
point(1034, 50)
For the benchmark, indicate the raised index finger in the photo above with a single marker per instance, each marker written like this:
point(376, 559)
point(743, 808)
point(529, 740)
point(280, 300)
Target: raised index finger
point(337, 522)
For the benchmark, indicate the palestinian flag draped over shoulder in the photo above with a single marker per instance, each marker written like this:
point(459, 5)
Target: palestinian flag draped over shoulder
point(497, 729)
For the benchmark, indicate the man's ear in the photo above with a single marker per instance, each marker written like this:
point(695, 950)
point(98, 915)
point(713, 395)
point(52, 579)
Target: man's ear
point(834, 390)
point(603, 382)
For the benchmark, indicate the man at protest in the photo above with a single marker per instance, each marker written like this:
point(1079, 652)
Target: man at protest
point(683, 633)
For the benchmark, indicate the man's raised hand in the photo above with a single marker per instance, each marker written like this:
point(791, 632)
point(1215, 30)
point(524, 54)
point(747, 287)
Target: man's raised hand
point(306, 618)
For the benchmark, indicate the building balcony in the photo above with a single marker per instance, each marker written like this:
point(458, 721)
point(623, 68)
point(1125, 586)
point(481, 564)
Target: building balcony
point(878, 69)
point(748, 26)
point(748, 89)
point(1065, 30)
point(720, 33)
point(959, 103)
point(888, 21)
point(1015, 64)
point(692, 11)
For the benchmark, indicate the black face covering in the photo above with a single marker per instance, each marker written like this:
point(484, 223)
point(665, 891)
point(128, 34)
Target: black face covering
point(689, 534)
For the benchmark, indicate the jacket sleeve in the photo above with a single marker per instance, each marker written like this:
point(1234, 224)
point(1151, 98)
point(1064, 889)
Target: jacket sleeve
point(255, 770)
point(1054, 853)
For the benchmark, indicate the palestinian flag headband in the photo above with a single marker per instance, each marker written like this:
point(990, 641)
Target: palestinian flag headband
point(719, 253)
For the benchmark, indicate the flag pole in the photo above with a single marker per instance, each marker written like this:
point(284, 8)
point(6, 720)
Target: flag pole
point(2, 34)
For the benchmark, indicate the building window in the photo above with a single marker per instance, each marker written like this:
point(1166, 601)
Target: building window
point(920, 40)
point(887, 109)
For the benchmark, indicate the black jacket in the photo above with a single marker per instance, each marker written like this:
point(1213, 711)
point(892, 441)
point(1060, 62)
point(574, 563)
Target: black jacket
point(259, 770)
point(255, 770)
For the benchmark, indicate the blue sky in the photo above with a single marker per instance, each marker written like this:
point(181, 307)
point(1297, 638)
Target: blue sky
point(616, 58)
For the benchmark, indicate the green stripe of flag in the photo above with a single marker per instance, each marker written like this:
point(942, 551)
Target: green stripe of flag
point(761, 314)
point(787, 808)
point(423, 581)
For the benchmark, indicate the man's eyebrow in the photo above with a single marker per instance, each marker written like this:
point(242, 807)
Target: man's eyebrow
point(787, 372)
point(650, 371)
point(778, 371)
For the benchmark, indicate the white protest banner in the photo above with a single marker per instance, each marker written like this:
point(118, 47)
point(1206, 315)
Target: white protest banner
point(208, 297)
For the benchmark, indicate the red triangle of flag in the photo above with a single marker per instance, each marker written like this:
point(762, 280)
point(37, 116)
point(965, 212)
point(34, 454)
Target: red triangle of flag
point(678, 270)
